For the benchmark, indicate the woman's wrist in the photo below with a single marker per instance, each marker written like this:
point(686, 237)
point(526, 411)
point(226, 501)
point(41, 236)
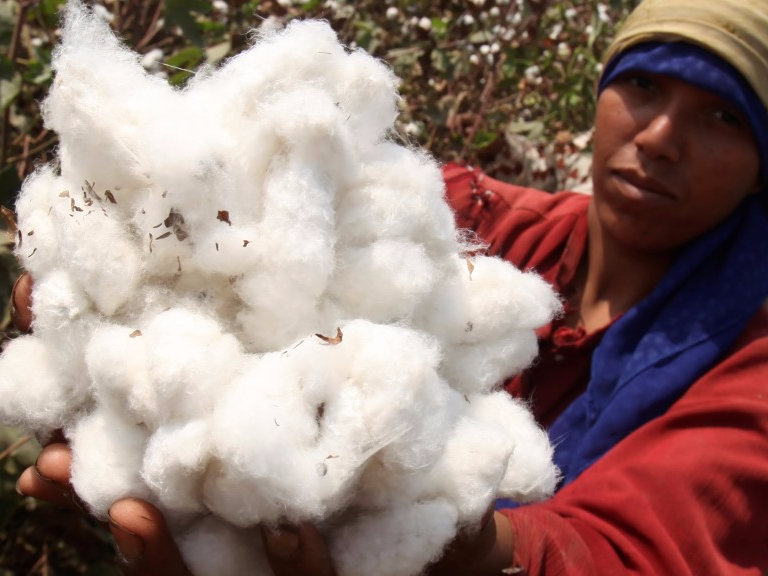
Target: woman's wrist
point(487, 551)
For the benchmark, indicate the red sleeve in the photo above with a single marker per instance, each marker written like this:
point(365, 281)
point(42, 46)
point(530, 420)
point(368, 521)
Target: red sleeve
point(686, 494)
point(528, 227)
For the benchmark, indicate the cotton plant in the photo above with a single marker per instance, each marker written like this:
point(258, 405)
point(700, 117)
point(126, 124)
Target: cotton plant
point(252, 306)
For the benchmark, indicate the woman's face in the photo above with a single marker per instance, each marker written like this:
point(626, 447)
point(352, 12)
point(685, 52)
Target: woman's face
point(670, 161)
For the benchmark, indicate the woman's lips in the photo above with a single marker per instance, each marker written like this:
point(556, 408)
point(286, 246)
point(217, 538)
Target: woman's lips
point(635, 185)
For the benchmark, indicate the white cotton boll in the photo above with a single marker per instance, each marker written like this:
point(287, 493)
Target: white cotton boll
point(228, 250)
point(385, 281)
point(439, 406)
point(116, 360)
point(97, 102)
point(190, 360)
point(380, 487)
point(174, 461)
point(278, 310)
point(367, 94)
point(161, 234)
point(211, 547)
point(472, 368)
point(312, 127)
point(487, 299)
point(395, 542)
point(100, 255)
point(261, 433)
point(106, 457)
point(400, 196)
point(390, 384)
point(184, 156)
point(304, 52)
point(296, 244)
point(37, 244)
point(203, 290)
point(298, 228)
point(38, 251)
point(33, 396)
point(401, 474)
point(58, 300)
point(470, 470)
point(530, 474)
point(537, 301)
point(39, 190)
point(65, 348)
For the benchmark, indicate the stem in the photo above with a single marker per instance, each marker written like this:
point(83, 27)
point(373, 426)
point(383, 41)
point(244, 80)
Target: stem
point(15, 446)
point(15, 41)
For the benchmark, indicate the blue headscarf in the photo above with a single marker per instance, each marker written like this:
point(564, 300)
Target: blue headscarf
point(652, 354)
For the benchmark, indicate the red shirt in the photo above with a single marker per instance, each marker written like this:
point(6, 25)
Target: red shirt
point(686, 493)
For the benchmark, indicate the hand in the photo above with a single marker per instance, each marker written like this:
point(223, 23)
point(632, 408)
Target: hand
point(487, 550)
point(297, 551)
point(21, 302)
point(300, 551)
point(144, 544)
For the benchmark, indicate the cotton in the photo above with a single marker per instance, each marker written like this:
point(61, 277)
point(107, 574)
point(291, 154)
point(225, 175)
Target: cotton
point(252, 306)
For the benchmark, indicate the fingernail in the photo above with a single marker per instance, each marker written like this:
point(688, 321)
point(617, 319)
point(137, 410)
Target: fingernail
point(18, 488)
point(63, 489)
point(130, 548)
point(282, 541)
point(49, 481)
point(39, 474)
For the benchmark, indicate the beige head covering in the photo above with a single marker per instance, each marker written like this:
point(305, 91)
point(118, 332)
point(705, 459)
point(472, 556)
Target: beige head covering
point(735, 30)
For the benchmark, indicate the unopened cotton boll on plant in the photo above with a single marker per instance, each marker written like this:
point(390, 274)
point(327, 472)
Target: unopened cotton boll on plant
point(252, 306)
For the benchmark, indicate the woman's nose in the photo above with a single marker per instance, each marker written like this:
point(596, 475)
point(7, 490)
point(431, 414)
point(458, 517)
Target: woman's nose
point(662, 136)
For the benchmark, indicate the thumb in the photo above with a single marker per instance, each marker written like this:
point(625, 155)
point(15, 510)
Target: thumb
point(144, 544)
point(21, 302)
point(297, 551)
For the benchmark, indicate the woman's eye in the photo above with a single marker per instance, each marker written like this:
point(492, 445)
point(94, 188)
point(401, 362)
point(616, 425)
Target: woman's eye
point(640, 81)
point(729, 117)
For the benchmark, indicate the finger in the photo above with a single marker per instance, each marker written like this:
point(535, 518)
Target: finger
point(144, 543)
point(54, 463)
point(30, 483)
point(48, 479)
point(21, 302)
point(297, 550)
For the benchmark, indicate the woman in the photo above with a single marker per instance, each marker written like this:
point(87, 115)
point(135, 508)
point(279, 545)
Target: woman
point(654, 385)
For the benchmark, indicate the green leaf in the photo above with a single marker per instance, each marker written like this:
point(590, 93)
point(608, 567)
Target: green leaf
point(483, 139)
point(50, 13)
point(439, 28)
point(9, 90)
point(180, 13)
point(6, 23)
point(37, 73)
point(184, 63)
point(7, 68)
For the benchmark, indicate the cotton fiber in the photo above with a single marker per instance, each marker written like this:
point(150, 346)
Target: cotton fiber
point(252, 307)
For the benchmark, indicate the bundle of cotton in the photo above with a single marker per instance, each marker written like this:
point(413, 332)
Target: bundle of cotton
point(251, 307)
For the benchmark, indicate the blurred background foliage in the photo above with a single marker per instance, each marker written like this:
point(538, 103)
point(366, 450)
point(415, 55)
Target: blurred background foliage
point(507, 84)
